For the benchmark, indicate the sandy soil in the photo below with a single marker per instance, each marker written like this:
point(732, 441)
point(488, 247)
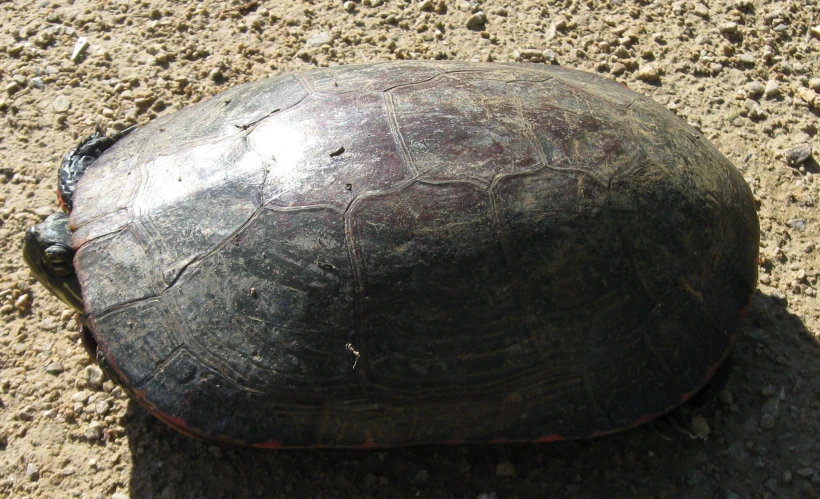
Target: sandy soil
point(745, 72)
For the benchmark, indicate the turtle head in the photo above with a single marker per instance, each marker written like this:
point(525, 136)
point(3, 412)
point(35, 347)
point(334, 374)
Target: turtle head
point(47, 251)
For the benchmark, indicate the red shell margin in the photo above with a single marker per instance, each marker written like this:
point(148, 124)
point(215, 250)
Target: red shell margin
point(368, 442)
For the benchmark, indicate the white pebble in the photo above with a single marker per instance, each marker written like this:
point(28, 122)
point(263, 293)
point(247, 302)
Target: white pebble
point(772, 89)
point(93, 431)
point(94, 375)
point(79, 48)
point(701, 427)
point(648, 73)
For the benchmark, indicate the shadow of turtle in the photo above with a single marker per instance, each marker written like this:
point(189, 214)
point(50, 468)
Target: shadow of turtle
point(757, 430)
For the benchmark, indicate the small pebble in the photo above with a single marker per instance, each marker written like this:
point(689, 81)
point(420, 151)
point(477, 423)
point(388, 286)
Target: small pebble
point(318, 39)
point(26, 413)
point(755, 89)
point(747, 59)
point(798, 224)
point(778, 296)
point(769, 412)
point(22, 302)
point(754, 109)
point(738, 451)
point(420, 477)
point(728, 28)
point(79, 48)
point(797, 154)
point(54, 368)
point(32, 472)
point(81, 397)
point(618, 69)
point(93, 431)
point(102, 407)
point(94, 375)
point(694, 477)
point(476, 20)
point(44, 211)
point(505, 468)
point(814, 84)
point(648, 73)
point(700, 426)
point(807, 96)
point(772, 89)
point(62, 104)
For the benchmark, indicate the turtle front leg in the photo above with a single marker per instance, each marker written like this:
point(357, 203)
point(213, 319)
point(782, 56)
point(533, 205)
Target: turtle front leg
point(77, 162)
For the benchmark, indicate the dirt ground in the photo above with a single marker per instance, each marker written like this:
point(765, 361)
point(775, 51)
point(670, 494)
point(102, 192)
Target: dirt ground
point(745, 72)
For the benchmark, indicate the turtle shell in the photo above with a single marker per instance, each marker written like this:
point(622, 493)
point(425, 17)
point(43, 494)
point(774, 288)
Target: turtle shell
point(416, 252)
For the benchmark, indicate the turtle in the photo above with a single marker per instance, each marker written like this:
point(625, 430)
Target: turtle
point(403, 253)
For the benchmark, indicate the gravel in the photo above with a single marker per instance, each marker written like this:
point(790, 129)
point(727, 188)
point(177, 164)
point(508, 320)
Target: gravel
point(55, 368)
point(705, 60)
point(796, 155)
point(32, 472)
point(649, 73)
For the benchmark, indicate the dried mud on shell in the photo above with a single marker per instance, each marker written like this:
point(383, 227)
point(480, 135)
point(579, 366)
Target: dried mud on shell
point(745, 73)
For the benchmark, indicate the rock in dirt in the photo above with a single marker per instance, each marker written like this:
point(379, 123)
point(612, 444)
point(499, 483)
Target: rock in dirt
point(22, 302)
point(755, 89)
point(94, 375)
point(769, 412)
point(700, 426)
point(80, 397)
point(505, 468)
point(62, 104)
point(649, 73)
point(55, 368)
point(32, 472)
point(754, 110)
point(93, 431)
point(79, 48)
point(797, 154)
point(798, 224)
point(477, 20)
point(318, 39)
point(772, 89)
